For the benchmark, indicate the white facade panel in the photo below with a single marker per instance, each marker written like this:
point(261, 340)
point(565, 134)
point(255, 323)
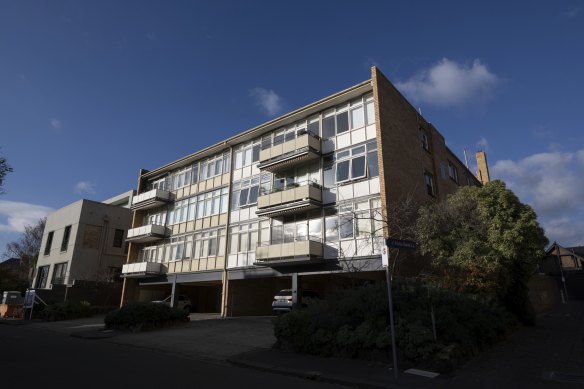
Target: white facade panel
point(345, 192)
point(361, 188)
point(374, 186)
point(371, 132)
point(358, 136)
point(344, 140)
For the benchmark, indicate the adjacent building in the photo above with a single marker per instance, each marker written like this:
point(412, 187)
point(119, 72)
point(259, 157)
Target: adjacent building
point(83, 244)
point(298, 202)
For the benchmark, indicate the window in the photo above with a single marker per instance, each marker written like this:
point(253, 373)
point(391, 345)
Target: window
point(359, 219)
point(213, 166)
point(59, 273)
point(247, 153)
point(181, 177)
point(65, 241)
point(243, 238)
point(424, 139)
point(200, 206)
point(245, 192)
point(42, 276)
point(354, 163)
point(429, 181)
point(344, 118)
point(118, 238)
point(209, 243)
point(181, 247)
point(452, 172)
point(49, 243)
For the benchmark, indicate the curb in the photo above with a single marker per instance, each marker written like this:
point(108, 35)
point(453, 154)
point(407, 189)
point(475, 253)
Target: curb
point(308, 375)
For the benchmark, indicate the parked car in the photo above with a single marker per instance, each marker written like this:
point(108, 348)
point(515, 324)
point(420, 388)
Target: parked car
point(283, 300)
point(181, 302)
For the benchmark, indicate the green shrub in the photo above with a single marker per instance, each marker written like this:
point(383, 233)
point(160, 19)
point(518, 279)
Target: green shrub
point(144, 316)
point(355, 323)
point(65, 311)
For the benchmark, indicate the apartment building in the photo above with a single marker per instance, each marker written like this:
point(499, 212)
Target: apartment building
point(83, 243)
point(295, 202)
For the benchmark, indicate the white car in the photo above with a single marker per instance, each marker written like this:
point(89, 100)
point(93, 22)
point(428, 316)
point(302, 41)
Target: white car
point(282, 301)
point(180, 302)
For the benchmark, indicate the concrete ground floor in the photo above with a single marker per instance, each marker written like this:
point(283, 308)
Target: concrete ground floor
point(250, 291)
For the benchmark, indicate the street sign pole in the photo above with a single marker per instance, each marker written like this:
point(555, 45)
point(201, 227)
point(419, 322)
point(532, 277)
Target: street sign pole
point(389, 299)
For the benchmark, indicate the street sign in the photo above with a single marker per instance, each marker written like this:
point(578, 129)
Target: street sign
point(400, 244)
point(385, 256)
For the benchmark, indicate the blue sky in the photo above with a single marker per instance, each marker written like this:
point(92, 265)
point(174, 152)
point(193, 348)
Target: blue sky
point(90, 92)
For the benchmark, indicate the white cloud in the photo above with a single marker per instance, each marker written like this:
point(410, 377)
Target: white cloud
point(449, 83)
point(85, 187)
point(267, 100)
point(56, 124)
point(552, 184)
point(14, 216)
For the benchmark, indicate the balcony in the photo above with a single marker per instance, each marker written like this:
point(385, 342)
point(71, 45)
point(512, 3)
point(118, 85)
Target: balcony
point(141, 269)
point(291, 199)
point(151, 199)
point(148, 233)
point(299, 150)
point(293, 253)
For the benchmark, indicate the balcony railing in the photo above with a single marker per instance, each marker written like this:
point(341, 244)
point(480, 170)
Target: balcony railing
point(291, 199)
point(293, 253)
point(303, 148)
point(151, 199)
point(148, 233)
point(142, 269)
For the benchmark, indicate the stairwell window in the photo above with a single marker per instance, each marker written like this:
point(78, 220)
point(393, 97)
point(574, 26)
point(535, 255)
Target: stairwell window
point(49, 243)
point(429, 181)
point(65, 241)
point(452, 172)
point(424, 139)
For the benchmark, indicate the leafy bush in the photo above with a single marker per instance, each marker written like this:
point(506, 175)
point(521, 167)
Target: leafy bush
point(69, 311)
point(144, 316)
point(355, 323)
point(66, 311)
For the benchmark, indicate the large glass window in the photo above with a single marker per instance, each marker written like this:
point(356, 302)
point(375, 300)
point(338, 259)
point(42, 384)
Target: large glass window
point(243, 238)
point(245, 192)
point(42, 276)
point(209, 243)
point(59, 273)
point(354, 163)
point(247, 153)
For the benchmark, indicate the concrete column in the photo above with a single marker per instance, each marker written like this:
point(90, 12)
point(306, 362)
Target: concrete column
point(173, 293)
point(296, 291)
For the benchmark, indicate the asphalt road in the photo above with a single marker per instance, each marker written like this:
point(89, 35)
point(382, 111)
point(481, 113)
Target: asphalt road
point(33, 358)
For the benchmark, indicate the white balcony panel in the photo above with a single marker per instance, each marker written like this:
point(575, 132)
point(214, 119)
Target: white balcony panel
point(151, 199)
point(141, 269)
point(147, 233)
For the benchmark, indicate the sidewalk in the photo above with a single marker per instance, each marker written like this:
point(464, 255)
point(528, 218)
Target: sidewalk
point(548, 355)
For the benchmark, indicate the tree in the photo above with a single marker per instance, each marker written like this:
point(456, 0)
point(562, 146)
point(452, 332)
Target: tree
point(27, 247)
point(485, 241)
point(4, 169)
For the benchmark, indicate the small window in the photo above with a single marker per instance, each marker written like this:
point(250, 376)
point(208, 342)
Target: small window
point(429, 180)
point(452, 172)
point(49, 243)
point(65, 241)
point(118, 238)
point(424, 139)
